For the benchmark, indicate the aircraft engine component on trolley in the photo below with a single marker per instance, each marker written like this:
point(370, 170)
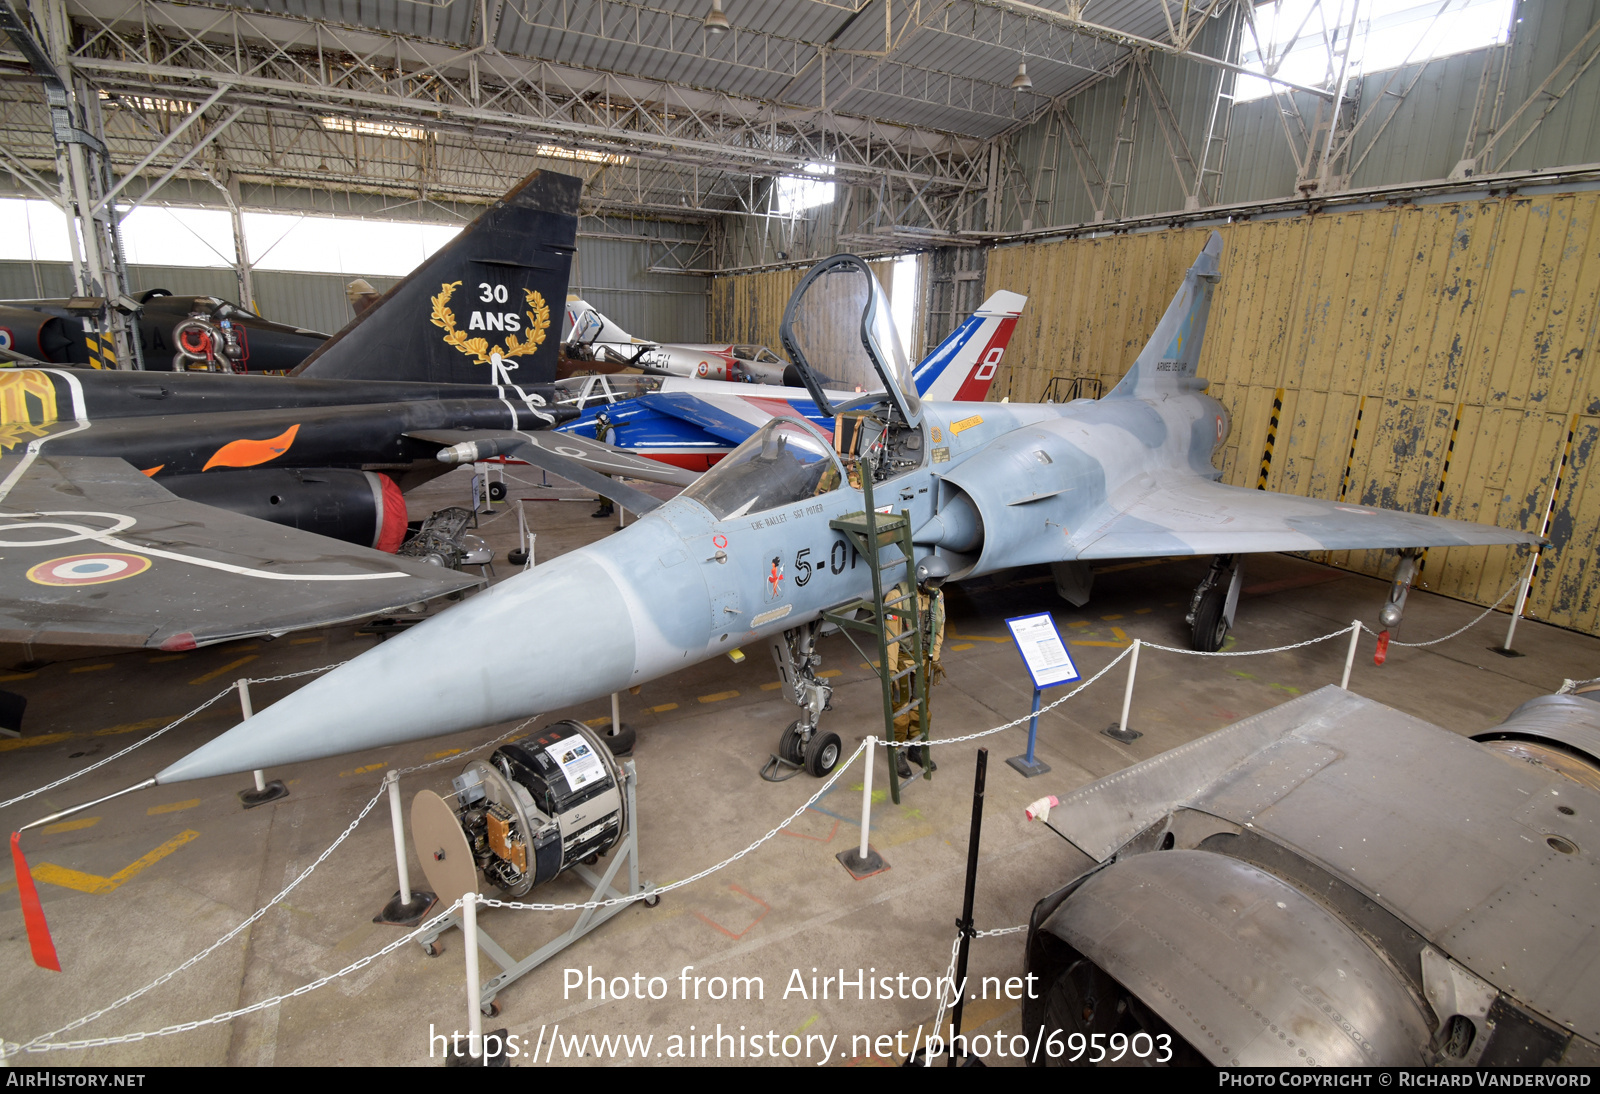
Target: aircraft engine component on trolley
point(541, 806)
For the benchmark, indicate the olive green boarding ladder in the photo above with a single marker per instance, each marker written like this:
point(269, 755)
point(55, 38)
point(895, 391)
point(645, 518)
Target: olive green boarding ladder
point(869, 532)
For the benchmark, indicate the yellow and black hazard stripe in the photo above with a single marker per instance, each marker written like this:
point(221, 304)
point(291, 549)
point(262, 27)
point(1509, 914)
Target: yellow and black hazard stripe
point(102, 351)
point(1350, 460)
point(1272, 439)
point(1555, 499)
point(1444, 472)
point(1444, 475)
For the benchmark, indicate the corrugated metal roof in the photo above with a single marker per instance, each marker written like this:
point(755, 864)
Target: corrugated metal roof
point(951, 72)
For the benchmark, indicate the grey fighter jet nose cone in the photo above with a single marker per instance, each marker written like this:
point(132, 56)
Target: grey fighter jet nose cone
point(478, 664)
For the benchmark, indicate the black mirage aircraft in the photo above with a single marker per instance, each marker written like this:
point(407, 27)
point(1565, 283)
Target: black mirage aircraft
point(176, 510)
point(176, 334)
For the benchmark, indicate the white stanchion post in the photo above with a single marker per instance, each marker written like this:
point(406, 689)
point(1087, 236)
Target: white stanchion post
point(469, 931)
point(616, 713)
point(403, 867)
point(1127, 694)
point(1522, 599)
point(1350, 655)
point(866, 800)
point(1533, 562)
point(244, 705)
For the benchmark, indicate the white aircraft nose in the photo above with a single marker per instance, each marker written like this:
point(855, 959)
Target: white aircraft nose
point(556, 635)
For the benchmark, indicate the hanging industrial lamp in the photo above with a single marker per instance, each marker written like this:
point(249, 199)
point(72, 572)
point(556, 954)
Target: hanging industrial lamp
point(1021, 81)
point(716, 23)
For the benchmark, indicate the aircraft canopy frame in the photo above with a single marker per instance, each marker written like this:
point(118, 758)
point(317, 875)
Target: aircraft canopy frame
point(785, 462)
point(838, 285)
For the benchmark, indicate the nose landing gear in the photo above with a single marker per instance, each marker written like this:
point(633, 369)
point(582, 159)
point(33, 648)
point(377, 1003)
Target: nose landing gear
point(802, 746)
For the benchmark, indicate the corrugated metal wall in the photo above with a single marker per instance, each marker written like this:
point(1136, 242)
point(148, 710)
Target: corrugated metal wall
point(1045, 186)
point(749, 307)
point(313, 301)
point(1437, 359)
point(1432, 106)
point(613, 274)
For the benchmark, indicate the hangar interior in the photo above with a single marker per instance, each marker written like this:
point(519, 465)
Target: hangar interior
point(1406, 318)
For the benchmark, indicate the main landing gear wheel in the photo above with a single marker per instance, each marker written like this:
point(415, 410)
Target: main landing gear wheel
point(1210, 621)
point(497, 491)
point(823, 754)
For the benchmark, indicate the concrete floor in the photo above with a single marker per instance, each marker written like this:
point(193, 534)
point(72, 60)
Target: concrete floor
point(135, 887)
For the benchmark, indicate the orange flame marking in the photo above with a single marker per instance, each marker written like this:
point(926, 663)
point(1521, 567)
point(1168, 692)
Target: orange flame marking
point(247, 453)
point(151, 471)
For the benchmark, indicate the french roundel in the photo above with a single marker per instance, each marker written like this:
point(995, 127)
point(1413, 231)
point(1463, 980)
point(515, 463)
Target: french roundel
point(5, 338)
point(88, 569)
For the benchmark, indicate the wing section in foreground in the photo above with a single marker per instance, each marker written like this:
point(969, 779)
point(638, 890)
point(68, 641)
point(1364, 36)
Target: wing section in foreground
point(1182, 515)
point(582, 460)
point(94, 553)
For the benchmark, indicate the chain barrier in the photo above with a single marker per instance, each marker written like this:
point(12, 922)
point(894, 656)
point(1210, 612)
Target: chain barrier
point(950, 972)
point(39, 1045)
point(46, 1042)
point(1245, 653)
point(1015, 721)
point(523, 906)
point(455, 756)
point(170, 725)
point(1459, 630)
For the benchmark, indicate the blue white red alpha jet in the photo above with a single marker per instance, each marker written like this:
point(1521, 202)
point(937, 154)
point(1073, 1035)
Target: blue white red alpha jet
point(692, 423)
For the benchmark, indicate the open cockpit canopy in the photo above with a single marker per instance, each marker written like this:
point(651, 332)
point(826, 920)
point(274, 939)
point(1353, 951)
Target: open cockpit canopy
point(840, 335)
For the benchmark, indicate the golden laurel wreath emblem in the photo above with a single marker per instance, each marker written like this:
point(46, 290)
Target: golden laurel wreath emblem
point(478, 348)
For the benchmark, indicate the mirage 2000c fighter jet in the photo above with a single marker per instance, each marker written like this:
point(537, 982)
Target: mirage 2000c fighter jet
point(179, 509)
point(750, 553)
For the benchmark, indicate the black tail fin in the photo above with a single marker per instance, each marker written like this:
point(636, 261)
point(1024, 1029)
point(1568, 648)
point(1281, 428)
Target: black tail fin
point(486, 308)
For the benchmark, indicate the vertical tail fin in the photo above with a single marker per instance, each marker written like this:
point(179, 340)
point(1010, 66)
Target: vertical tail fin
point(1169, 361)
point(485, 308)
point(586, 325)
point(964, 364)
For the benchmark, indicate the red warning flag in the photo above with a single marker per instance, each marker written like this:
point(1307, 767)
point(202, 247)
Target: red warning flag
point(1381, 654)
point(44, 950)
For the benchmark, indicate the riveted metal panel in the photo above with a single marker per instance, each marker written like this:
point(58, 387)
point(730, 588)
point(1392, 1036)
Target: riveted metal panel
point(1433, 359)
